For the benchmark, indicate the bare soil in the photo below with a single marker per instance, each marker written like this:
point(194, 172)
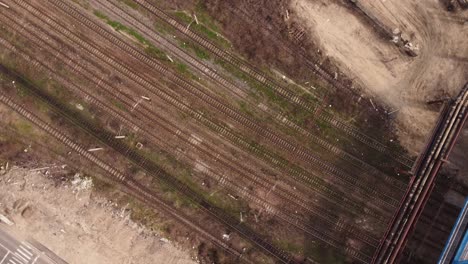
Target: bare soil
point(404, 83)
point(78, 225)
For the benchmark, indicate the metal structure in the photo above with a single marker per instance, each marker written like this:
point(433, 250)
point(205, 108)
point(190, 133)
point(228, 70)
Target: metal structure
point(443, 139)
point(456, 248)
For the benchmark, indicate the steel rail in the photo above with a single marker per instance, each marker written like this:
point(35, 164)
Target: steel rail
point(32, 35)
point(197, 115)
point(303, 153)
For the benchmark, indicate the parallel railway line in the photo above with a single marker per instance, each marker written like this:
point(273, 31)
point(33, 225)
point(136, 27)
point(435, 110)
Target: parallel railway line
point(246, 122)
point(118, 176)
point(257, 75)
point(204, 120)
point(206, 69)
point(223, 130)
point(129, 101)
point(282, 215)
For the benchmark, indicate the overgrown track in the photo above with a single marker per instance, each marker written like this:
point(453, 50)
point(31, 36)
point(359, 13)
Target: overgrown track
point(171, 100)
point(205, 69)
point(152, 170)
point(282, 91)
point(346, 179)
point(118, 177)
point(286, 216)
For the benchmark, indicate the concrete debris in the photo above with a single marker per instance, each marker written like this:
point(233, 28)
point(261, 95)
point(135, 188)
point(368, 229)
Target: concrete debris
point(4, 219)
point(139, 145)
point(6, 6)
point(94, 149)
point(226, 237)
point(81, 183)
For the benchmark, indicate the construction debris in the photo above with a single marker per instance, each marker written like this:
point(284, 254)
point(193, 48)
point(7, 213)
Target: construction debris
point(139, 145)
point(4, 219)
point(81, 183)
point(94, 149)
point(169, 58)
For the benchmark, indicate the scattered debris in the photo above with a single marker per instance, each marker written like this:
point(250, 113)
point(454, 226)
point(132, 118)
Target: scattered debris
point(169, 58)
point(5, 220)
point(79, 107)
point(81, 183)
point(226, 236)
point(139, 145)
point(394, 111)
point(95, 149)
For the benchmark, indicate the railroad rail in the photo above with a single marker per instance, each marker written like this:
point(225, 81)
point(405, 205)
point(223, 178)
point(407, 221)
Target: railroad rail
point(304, 153)
point(282, 215)
point(145, 84)
point(315, 66)
point(282, 91)
point(439, 147)
point(152, 170)
point(206, 69)
point(116, 176)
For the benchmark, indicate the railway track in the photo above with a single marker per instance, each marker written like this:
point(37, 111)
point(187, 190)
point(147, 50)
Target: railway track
point(31, 35)
point(157, 173)
point(223, 130)
point(117, 176)
point(205, 69)
point(282, 91)
point(198, 116)
point(275, 139)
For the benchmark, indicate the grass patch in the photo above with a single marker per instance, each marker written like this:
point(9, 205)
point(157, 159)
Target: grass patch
point(23, 127)
point(290, 246)
point(200, 52)
point(150, 49)
point(206, 27)
point(119, 105)
point(130, 3)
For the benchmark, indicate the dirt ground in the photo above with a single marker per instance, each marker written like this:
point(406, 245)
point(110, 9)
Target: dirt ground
point(393, 78)
point(77, 225)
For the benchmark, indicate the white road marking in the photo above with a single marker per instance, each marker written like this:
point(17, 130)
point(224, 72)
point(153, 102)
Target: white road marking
point(26, 255)
point(4, 257)
point(19, 258)
point(25, 250)
point(27, 245)
point(12, 261)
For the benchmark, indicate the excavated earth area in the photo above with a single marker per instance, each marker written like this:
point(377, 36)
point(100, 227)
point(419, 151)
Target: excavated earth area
point(392, 77)
point(78, 225)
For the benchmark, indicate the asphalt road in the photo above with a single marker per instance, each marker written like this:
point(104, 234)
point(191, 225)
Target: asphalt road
point(13, 251)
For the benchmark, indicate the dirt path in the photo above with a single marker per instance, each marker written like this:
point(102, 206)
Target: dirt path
point(78, 226)
point(397, 80)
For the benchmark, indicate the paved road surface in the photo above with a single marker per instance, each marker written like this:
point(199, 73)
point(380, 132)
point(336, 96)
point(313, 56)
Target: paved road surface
point(13, 251)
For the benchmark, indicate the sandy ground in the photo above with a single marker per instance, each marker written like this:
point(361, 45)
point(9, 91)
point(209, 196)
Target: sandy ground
point(384, 72)
point(77, 226)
